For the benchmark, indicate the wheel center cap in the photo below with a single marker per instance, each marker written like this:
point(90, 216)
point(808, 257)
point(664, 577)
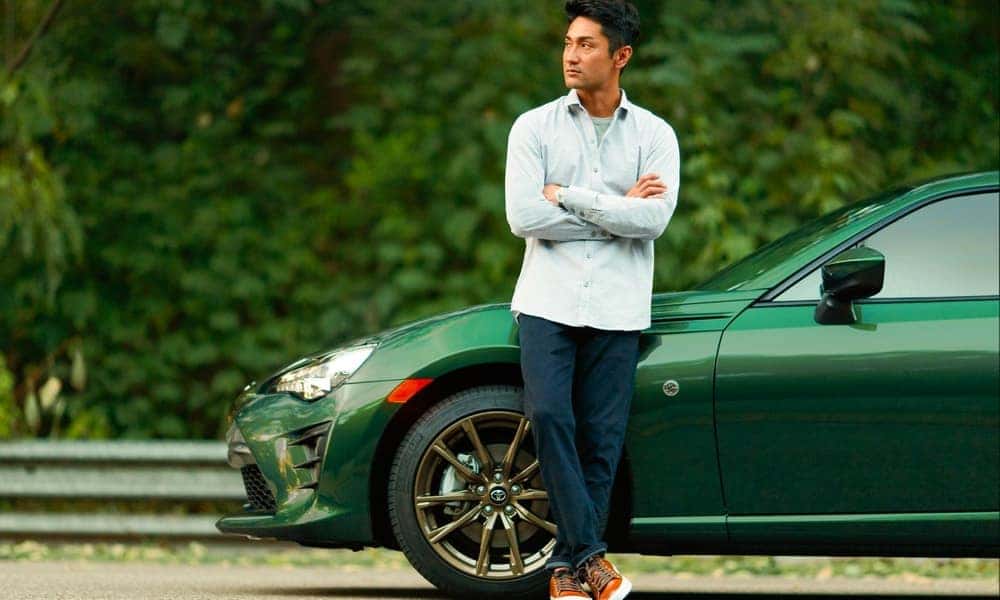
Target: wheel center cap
point(498, 495)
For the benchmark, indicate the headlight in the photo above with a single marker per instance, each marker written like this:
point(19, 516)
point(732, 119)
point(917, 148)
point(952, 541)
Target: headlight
point(319, 378)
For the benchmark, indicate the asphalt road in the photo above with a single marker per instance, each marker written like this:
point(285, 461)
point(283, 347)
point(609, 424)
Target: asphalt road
point(142, 581)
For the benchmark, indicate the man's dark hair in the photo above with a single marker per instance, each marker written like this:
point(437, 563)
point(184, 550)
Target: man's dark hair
point(619, 19)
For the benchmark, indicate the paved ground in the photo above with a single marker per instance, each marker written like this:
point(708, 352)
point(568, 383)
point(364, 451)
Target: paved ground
point(142, 581)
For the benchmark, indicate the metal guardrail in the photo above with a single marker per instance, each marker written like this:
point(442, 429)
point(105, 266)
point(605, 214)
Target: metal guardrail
point(182, 471)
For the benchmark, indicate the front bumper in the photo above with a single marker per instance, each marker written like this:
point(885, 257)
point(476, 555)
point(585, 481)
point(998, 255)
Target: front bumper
point(260, 493)
point(307, 465)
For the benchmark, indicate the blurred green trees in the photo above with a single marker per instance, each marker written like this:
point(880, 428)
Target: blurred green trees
point(193, 193)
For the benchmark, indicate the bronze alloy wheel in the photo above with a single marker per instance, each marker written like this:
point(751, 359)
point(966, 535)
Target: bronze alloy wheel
point(479, 497)
point(466, 500)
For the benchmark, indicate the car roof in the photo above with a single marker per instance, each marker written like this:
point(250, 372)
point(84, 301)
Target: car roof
point(948, 184)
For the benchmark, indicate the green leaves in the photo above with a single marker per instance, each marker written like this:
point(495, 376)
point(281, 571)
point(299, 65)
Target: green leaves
point(37, 225)
point(172, 30)
point(194, 193)
point(9, 412)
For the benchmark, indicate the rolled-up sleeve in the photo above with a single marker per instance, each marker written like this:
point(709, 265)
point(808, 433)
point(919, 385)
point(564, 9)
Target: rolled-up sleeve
point(625, 216)
point(529, 214)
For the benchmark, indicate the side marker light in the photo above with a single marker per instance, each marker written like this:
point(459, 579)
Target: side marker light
point(407, 389)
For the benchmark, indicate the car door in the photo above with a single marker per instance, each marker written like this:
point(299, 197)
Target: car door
point(676, 496)
point(881, 431)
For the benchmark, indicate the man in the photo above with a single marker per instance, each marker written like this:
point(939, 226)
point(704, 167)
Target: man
point(591, 181)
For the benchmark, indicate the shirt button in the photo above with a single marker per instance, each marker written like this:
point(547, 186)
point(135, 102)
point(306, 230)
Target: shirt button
point(595, 170)
point(586, 284)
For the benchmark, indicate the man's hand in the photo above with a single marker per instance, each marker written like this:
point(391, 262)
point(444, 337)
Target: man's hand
point(648, 186)
point(549, 191)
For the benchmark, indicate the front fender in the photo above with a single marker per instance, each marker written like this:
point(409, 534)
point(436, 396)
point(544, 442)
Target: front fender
point(477, 335)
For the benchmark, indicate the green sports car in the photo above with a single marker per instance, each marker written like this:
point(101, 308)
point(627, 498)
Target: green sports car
point(835, 392)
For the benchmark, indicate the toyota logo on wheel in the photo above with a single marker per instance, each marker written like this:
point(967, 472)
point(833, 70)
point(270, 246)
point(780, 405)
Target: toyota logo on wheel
point(498, 495)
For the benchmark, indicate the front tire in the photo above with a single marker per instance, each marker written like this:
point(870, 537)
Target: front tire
point(466, 497)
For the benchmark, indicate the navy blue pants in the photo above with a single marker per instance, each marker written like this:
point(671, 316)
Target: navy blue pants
point(577, 390)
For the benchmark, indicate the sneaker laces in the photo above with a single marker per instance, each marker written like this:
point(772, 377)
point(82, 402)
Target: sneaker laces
point(566, 581)
point(599, 573)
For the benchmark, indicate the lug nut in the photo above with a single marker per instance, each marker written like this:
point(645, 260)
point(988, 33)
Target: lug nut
point(488, 509)
point(508, 509)
point(515, 489)
point(498, 477)
point(480, 489)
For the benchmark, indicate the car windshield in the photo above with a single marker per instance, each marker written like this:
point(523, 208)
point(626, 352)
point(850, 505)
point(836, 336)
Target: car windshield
point(743, 273)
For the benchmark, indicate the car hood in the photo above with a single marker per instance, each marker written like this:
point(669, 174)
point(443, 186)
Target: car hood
point(671, 307)
point(381, 338)
point(406, 328)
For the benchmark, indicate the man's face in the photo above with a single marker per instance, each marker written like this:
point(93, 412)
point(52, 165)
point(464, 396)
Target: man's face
point(587, 62)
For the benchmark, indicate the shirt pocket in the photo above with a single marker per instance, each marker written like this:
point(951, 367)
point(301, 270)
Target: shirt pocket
point(621, 167)
point(564, 160)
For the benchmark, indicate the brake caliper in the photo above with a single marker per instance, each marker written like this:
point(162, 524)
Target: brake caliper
point(451, 482)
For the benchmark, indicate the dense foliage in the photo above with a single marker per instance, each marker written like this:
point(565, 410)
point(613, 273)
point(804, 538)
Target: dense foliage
point(193, 193)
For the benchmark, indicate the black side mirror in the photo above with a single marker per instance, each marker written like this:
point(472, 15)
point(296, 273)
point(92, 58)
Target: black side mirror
point(851, 275)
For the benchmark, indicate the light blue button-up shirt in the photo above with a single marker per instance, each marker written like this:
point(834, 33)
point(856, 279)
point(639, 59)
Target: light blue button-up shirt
point(589, 262)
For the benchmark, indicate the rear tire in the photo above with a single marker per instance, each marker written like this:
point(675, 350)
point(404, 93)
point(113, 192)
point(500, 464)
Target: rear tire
point(464, 487)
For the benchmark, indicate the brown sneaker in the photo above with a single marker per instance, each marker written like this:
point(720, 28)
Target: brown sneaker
point(605, 582)
point(563, 584)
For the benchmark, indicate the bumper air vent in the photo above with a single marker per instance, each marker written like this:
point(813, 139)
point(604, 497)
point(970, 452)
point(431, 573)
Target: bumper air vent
point(259, 496)
point(307, 447)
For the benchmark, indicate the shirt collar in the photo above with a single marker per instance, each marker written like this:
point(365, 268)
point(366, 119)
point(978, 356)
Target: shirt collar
point(573, 100)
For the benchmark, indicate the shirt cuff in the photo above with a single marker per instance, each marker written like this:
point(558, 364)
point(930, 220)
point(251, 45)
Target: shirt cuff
point(578, 200)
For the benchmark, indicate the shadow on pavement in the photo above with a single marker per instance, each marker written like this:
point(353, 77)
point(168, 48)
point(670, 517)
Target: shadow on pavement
point(347, 592)
point(792, 596)
point(420, 593)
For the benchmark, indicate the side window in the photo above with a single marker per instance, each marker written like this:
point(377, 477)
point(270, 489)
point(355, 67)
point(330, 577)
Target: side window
point(948, 248)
